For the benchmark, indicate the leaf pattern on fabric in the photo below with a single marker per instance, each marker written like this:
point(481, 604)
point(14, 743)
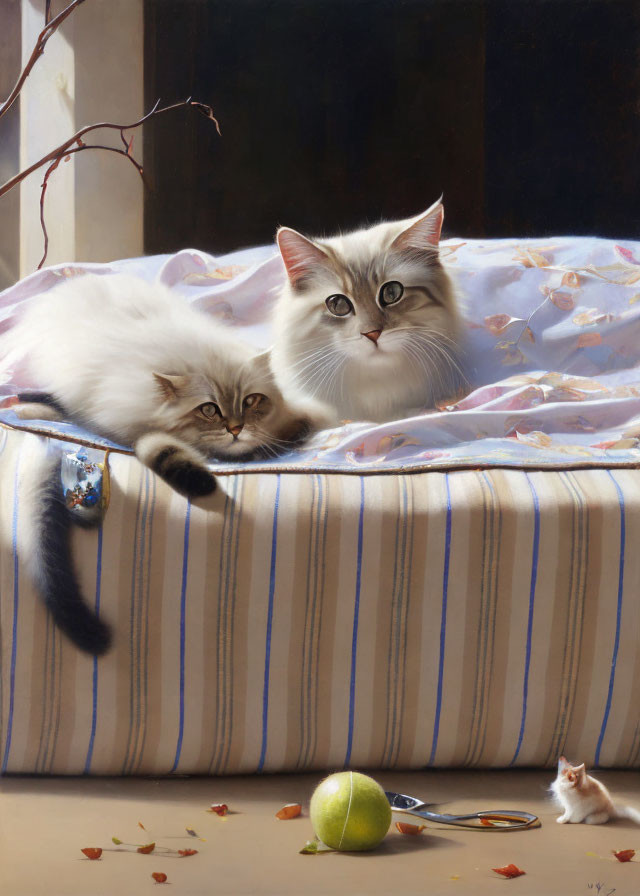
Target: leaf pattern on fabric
point(551, 341)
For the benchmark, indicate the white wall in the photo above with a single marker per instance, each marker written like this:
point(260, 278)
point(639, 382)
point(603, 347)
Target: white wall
point(92, 70)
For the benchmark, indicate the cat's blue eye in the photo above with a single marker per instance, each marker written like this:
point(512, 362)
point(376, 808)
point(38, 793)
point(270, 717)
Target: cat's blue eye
point(391, 292)
point(339, 306)
point(210, 410)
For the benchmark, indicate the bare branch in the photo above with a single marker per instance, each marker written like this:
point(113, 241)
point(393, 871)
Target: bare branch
point(47, 12)
point(76, 144)
point(52, 167)
point(48, 31)
point(63, 149)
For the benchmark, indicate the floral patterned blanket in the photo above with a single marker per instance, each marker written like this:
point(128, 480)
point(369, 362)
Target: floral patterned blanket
point(553, 348)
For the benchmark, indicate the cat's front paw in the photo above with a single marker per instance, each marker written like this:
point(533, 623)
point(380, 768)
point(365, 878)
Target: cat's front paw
point(192, 481)
point(562, 819)
point(177, 463)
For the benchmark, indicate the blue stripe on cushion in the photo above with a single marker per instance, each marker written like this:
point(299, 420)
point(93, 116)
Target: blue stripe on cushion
point(354, 639)
point(616, 642)
point(443, 622)
point(267, 657)
point(14, 642)
point(183, 595)
point(532, 592)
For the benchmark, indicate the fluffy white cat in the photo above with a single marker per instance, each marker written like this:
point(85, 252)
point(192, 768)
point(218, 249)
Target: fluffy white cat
point(584, 799)
point(134, 362)
point(368, 322)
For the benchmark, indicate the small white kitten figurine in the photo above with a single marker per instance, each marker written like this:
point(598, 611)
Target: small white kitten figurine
point(584, 799)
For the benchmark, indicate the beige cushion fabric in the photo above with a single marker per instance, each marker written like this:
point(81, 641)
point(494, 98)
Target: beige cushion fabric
point(300, 621)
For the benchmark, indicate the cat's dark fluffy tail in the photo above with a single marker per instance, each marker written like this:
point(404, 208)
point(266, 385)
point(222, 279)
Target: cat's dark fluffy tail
point(54, 574)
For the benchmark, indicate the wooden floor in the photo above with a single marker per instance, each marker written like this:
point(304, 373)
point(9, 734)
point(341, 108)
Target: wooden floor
point(45, 822)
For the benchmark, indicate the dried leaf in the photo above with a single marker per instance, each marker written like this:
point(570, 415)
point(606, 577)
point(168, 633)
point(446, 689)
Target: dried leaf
point(116, 841)
point(140, 825)
point(159, 876)
point(627, 254)
point(527, 335)
point(92, 852)
point(496, 323)
point(586, 340)
point(219, 808)
point(571, 279)
point(291, 810)
point(191, 832)
point(624, 855)
point(591, 316)
point(509, 871)
point(535, 438)
point(562, 300)
point(187, 852)
point(145, 850)
point(413, 829)
point(310, 847)
point(540, 261)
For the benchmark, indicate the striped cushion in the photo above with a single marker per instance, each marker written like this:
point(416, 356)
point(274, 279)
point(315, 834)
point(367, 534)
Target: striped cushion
point(480, 618)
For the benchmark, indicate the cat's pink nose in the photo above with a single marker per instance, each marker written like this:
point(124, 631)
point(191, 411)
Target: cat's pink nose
point(373, 335)
point(235, 430)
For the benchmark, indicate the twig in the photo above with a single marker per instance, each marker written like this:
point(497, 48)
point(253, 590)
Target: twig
point(67, 149)
point(49, 29)
point(52, 167)
point(64, 148)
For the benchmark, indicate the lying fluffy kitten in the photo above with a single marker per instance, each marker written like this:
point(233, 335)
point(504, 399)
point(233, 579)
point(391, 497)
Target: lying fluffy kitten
point(584, 799)
point(368, 322)
point(135, 363)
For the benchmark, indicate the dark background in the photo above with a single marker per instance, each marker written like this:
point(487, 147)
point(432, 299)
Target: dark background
point(334, 113)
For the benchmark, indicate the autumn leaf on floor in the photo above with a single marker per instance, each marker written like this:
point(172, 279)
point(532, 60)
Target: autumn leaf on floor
point(291, 810)
point(509, 871)
point(624, 855)
point(412, 829)
point(92, 852)
point(140, 825)
point(310, 847)
point(145, 850)
point(219, 808)
point(187, 852)
point(159, 876)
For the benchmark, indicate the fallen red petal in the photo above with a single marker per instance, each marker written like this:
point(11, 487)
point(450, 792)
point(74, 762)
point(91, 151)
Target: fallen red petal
point(219, 808)
point(147, 849)
point(187, 852)
point(412, 829)
point(624, 855)
point(92, 852)
point(291, 810)
point(159, 876)
point(509, 871)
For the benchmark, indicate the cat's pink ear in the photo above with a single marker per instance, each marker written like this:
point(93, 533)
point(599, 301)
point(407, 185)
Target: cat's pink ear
point(299, 254)
point(581, 771)
point(563, 764)
point(422, 232)
point(170, 385)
